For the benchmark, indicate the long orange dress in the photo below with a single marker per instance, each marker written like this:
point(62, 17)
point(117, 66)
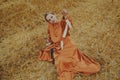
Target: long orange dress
point(68, 60)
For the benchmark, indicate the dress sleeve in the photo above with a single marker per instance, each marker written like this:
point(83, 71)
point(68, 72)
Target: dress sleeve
point(66, 17)
point(49, 37)
point(63, 23)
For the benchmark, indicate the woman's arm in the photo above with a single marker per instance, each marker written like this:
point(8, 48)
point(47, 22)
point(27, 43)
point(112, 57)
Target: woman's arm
point(66, 16)
point(66, 23)
point(48, 40)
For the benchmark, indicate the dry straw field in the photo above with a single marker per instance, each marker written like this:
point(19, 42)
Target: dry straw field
point(96, 32)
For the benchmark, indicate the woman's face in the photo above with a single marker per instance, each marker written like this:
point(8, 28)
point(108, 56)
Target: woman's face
point(51, 18)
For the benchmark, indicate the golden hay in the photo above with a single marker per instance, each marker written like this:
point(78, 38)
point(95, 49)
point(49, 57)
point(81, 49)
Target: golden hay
point(96, 32)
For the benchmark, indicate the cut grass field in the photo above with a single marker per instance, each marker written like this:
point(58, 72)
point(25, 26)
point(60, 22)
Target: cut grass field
point(96, 32)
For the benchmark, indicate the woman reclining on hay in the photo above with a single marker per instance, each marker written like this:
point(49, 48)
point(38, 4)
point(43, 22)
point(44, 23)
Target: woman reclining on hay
point(67, 58)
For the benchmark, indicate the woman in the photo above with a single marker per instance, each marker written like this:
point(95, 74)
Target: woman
point(66, 56)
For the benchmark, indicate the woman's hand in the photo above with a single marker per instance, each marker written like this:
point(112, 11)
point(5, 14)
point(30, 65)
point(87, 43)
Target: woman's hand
point(64, 12)
point(47, 42)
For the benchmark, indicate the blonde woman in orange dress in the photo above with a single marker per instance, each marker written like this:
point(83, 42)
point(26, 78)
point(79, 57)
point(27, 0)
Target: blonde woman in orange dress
point(62, 52)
